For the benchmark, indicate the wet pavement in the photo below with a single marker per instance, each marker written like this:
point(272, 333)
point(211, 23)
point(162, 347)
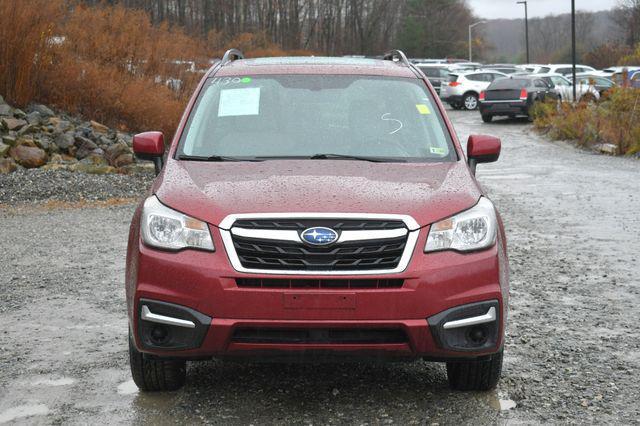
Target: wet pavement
point(572, 351)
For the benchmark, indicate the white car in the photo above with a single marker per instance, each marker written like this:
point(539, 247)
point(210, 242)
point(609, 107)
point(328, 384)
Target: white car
point(464, 88)
point(563, 87)
point(564, 69)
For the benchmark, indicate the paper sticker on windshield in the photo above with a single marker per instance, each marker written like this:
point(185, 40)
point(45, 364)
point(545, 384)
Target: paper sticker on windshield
point(423, 109)
point(439, 151)
point(239, 102)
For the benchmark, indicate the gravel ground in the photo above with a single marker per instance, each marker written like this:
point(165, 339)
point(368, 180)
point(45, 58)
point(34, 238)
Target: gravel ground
point(572, 351)
point(37, 185)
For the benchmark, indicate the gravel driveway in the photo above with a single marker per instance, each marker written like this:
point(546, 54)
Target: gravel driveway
point(572, 352)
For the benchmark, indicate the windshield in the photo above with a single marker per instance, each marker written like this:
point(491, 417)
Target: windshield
point(301, 116)
point(560, 81)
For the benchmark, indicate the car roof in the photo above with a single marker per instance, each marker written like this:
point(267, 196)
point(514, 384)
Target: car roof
point(548, 74)
point(478, 71)
point(316, 65)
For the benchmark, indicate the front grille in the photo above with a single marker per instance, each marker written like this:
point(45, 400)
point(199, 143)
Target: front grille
point(319, 336)
point(349, 256)
point(335, 224)
point(333, 284)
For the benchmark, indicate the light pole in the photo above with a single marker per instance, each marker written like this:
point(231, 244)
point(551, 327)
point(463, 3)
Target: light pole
point(470, 27)
point(573, 46)
point(526, 27)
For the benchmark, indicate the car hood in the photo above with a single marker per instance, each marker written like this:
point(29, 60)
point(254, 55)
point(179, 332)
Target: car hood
point(210, 191)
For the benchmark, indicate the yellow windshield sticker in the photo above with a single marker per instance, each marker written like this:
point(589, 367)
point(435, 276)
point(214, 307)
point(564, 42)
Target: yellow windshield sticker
point(439, 151)
point(423, 109)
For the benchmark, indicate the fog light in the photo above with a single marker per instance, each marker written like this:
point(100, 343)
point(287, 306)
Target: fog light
point(477, 335)
point(159, 334)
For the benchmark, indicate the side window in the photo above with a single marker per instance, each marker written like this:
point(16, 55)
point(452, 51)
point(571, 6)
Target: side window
point(495, 76)
point(548, 81)
point(564, 71)
point(540, 84)
point(476, 77)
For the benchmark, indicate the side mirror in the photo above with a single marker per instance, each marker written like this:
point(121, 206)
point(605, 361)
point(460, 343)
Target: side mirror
point(482, 149)
point(149, 146)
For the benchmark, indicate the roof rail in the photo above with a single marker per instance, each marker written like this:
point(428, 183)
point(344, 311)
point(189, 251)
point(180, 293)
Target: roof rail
point(231, 55)
point(396, 56)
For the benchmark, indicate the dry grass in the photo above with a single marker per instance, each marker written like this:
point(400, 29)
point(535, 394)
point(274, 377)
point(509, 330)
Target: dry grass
point(614, 120)
point(112, 64)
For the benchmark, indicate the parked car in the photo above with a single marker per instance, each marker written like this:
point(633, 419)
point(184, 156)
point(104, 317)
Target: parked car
point(563, 87)
point(463, 89)
point(563, 69)
point(513, 96)
point(316, 209)
point(611, 71)
point(601, 84)
point(436, 73)
point(530, 68)
point(503, 68)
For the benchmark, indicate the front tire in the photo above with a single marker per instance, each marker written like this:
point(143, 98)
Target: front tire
point(155, 374)
point(470, 101)
point(487, 118)
point(474, 375)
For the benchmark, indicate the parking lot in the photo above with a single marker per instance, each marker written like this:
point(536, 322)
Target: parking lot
point(572, 351)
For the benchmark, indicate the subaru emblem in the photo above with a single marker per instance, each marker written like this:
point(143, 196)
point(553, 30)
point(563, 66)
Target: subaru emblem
point(319, 236)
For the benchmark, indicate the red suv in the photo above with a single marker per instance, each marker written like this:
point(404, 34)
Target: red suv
point(316, 208)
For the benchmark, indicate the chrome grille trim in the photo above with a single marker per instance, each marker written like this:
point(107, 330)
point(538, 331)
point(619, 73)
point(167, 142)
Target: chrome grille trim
point(412, 231)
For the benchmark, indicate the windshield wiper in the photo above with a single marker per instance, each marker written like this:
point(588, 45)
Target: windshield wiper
point(216, 158)
point(353, 157)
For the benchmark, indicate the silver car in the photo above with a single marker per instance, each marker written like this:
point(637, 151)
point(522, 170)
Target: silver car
point(563, 87)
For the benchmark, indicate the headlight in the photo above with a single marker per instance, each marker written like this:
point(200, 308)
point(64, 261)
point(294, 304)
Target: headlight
point(168, 229)
point(473, 229)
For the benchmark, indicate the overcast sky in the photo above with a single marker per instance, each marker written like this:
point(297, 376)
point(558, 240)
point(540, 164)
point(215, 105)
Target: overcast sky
point(509, 9)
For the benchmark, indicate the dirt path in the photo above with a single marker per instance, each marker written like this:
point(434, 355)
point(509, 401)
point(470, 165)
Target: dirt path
point(572, 350)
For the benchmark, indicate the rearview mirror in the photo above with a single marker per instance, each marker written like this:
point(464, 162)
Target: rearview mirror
point(482, 149)
point(149, 146)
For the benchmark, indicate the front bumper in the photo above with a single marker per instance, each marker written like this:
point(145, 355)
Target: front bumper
point(205, 284)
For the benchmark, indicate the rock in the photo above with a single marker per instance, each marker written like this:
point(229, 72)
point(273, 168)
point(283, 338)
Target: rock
point(28, 156)
point(123, 160)
point(9, 140)
point(59, 125)
point(5, 110)
point(29, 128)
point(45, 143)
point(64, 140)
point(85, 146)
point(607, 148)
point(4, 149)
point(56, 159)
point(18, 113)
point(7, 165)
point(34, 118)
point(94, 160)
point(114, 151)
point(98, 127)
point(92, 169)
point(105, 141)
point(43, 110)
point(125, 138)
point(13, 123)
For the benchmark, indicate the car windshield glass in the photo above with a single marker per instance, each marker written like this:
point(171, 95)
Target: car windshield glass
point(301, 116)
point(560, 81)
point(431, 71)
point(508, 83)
